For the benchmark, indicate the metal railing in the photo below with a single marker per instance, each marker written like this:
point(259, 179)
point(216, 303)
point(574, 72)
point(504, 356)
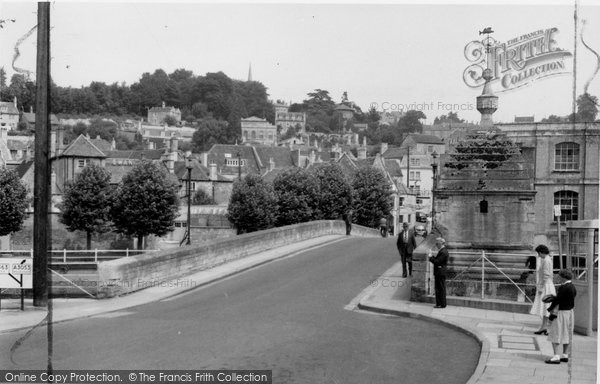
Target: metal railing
point(476, 275)
point(66, 256)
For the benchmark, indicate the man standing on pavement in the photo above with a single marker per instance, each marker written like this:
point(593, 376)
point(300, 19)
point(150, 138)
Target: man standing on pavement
point(348, 220)
point(406, 244)
point(440, 262)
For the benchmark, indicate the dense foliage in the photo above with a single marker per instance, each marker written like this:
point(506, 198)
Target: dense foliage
point(335, 192)
point(253, 205)
point(372, 197)
point(13, 202)
point(298, 196)
point(146, 202)
point(202, 198)
point(86, 202)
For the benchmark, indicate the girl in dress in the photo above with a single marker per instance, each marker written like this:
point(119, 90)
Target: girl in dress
point(544, 287)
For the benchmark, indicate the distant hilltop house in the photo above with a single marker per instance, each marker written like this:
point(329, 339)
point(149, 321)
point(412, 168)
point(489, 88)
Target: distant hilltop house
point(286, 119)
point(157, 115)
point(258, 131)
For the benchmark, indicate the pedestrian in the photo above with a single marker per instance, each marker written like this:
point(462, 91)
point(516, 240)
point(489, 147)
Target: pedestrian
point(383, 227)
point(406, 244)
point(348, 220)
point(563, 322)
point(544, 286)
point(440, 263)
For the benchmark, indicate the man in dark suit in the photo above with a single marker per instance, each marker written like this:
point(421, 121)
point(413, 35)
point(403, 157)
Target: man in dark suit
point(440, 262)
point(347, 217)
point(406, 244)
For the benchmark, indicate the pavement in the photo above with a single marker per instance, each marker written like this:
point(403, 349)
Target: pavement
point(510, 352)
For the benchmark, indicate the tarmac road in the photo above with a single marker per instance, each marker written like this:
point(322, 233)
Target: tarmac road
point(287, 316)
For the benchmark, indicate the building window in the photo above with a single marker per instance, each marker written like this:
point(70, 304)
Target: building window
point(430, 148)
point(569, 205)
point(483, 206)
point(566, 157)
point(253, 134)
point(82, 163)
point(415, 162)
point(400, 202)
point(234, 162)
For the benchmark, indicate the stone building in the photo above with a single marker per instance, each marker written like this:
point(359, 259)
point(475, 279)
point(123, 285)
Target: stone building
point(157, 115)
point(9, 114)
point(284, 119)
point(565, 159)
point(258, 131)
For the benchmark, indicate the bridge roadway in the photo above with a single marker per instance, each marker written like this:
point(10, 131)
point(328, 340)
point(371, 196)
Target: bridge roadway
point(287, 316)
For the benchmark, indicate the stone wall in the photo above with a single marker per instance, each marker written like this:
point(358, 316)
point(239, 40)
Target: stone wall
point(130, 274)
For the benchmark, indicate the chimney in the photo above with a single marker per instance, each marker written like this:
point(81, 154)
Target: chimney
point(113, 144)
point(205, 158)
point(384, 148)
point(60, 139)
point(213, 172)
point(271, 164)
point(31, 109)
point(362, 153)
point(53, 182)
point(15, 102)
point(364, 141)
point(52, 143)
point(312, 157)
point(174, 144)
point(349, 139)
point(355, 139)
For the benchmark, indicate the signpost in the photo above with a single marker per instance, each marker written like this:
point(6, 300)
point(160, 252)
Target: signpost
point(16, 273)
point(557, 213)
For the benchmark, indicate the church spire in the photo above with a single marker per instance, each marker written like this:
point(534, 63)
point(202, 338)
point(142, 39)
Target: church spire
point(250, 71)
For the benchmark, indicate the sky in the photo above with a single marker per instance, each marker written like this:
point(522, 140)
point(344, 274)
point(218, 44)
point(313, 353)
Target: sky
point(394, 56)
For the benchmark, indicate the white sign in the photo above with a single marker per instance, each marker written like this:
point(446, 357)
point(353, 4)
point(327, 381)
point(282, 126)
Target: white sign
point(16, 272)
point(557, 211)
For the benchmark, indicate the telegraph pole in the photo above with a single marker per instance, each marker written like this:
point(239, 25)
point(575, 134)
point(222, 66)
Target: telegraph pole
point(41, 180)
point(41, 198)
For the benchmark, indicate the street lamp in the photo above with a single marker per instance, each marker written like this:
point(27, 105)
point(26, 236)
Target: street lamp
point(434, 166)
point(188, 165)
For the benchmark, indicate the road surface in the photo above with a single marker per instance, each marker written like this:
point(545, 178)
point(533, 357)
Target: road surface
point(287, 316)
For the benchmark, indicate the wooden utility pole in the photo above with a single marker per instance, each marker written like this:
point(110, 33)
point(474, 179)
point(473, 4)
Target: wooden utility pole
point(41, 190)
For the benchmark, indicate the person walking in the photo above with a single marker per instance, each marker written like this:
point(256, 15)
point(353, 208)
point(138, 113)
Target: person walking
point(544, 287)
point(383, 227)
point(347, 217)
point(440, 263)
point(406, 244)
point(563, 322)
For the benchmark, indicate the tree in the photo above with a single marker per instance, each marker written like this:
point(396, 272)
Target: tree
point(335, 192)
point(170, 121)
point(146, 202)
point(13, 202)
point(86, 202)
point(485, 150)
point(553, 119)
point(297, 192)
point(372, 197)
point(587, 107)
point(252, 205)
point(452, 117)
point(202, 198)
point(411, 122)
point(208, 133)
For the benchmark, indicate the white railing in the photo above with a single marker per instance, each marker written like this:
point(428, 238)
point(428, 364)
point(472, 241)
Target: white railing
point(66, 256)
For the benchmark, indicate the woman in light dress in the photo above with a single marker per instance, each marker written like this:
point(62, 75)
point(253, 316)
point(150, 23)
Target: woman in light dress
point(544, 286)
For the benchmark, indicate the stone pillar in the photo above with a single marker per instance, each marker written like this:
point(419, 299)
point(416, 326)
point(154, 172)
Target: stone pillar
point(421, 266)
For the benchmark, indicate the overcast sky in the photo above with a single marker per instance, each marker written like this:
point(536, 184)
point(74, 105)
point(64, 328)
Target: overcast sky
point(390, 54)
